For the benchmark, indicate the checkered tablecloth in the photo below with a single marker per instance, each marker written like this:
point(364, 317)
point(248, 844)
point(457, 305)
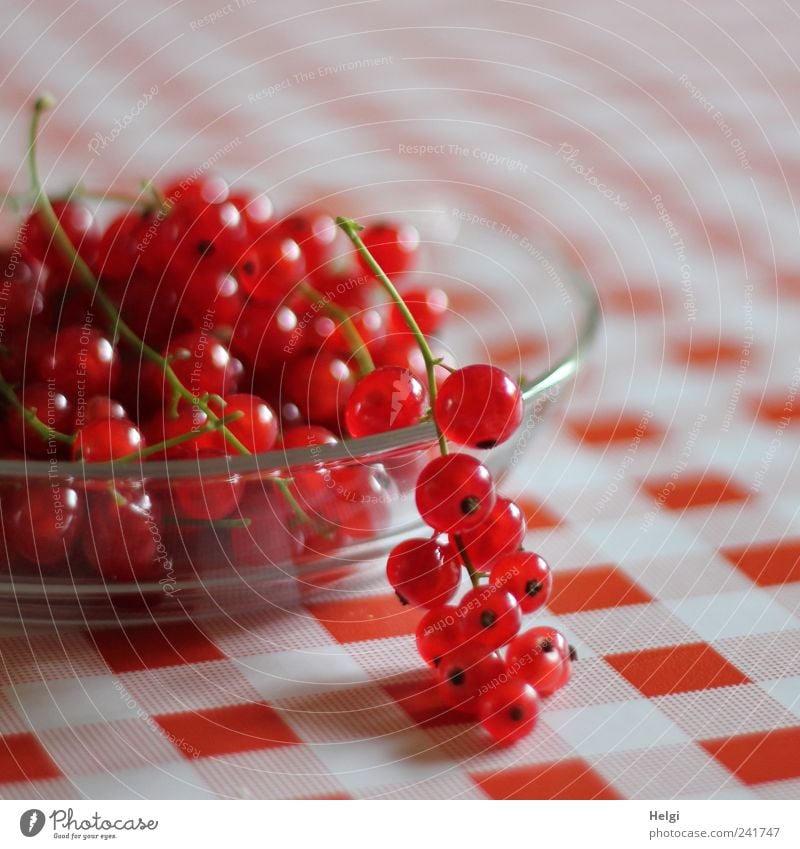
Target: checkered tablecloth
point(659, 142)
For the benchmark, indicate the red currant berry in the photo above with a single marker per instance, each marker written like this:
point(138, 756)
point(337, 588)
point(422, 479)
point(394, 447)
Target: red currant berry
point(491, 616)
point(272, 268)
point(208, 188)
point(307, 436)
point(80, 361)
point(420, 575)
point(509, 711)
point(77, 222)
point(257, 429)
point(191, 419)
point(455, 493)
point(479, 406)
point(315, 234)
point(102, 440)
point(43, 520)
point(526, 576)
point(428, 306)
point(319, 385)
point(438, 633)
point(122, 542)
point(23, 289)
point(266, 335)
point(385, 399)
point(103, 407)
point(502, 532)
point(203, 365)
point(256, 211)
point(466, 673)
point(52, 409)
point(394, 247)
point(118, 254)
point(541, 657)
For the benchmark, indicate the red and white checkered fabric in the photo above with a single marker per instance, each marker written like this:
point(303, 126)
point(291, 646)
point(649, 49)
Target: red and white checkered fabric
point(660, 141)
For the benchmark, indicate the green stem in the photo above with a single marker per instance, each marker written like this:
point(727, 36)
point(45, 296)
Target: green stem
point(351, 229)
point(474, 574)
point(31, 419)
point(350, 332)
point(45, 208)
point(178, 440)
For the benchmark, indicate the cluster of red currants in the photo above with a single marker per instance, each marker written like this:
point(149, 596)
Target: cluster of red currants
point(477, 407)
point(222, 330)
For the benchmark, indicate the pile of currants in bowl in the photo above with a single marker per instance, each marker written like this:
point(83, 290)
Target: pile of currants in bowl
point(195, 324)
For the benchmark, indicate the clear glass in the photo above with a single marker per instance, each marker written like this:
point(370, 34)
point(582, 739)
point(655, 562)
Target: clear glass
point(134, 553)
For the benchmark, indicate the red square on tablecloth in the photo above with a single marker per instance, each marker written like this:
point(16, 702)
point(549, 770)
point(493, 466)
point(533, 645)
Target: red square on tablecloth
point(568, 779)
point(711, 353)
point(22, 758)
point(225, 730)
point(151, 646)
point(367, 618)
point(537, 515)
point(676, 669)
point(694, 490)
point(592, 589)
point(767, 563)
point(621, 427)
point(762, 756)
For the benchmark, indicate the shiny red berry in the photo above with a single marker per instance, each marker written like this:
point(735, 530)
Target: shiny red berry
point(541, 657)
point(43, 519)
point(479, 406)
point(438, 633)
point(208, 497)
point(315, 234)
point(272, 268)
point(393, 246)
point(319, 385)
point(509, 711)
point(455, 493)
point(22, 290)
point(102, 407)
point(466, 673)
point(80, 361)
point(102, 440)
point(307, 436)
point(257, 429)
point(491, 616)
point(52, 409)
point(420, 574)
point(385, 399)
point(77, 222)
point(502, 532)
point(526, 576)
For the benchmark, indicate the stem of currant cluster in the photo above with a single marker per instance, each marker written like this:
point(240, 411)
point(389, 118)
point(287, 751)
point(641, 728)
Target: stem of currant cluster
point(45, 208)
point(31, 419)
point(351, 229)
point(350, 332)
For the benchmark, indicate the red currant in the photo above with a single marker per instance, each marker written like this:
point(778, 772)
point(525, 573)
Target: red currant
point(541, 657)
point(466, 673)
point(203, 365)
point(479, 406)
point(307, 436)
point(208, 498)
point(103, 407)
point(319, 384)
point(102, 440)
point(207, 188)
point(80, 361)
point(272, 268)
point(77, 222)
point(43, 520)
point(509, 711)
point(52, 409)
point(394, 247)
point(420, 575)
point(315, 234)
point(438, 633)
point(385, 399)
point(526, 576)
point(502, 532)
point(257, 429)
point(491, 616)
point(455, 493)
point(124, 543)
point(23, 282)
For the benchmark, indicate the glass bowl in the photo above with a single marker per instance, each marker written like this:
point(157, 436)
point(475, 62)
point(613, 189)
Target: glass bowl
point(307, 518)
